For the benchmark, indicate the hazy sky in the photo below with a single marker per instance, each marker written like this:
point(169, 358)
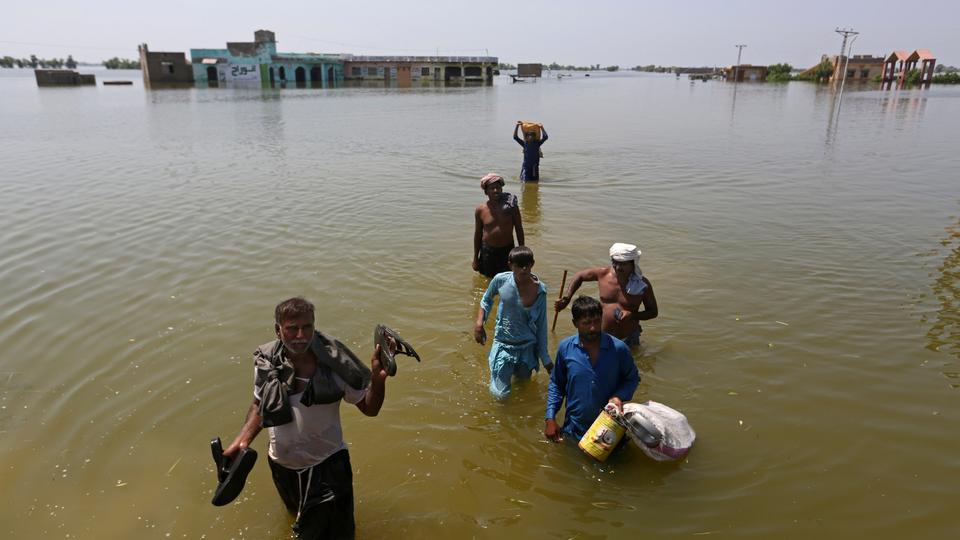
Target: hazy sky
point(624, 32)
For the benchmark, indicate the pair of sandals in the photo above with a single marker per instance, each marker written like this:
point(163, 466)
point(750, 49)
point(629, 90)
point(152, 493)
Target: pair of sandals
point(232, 475)
point(384, 336)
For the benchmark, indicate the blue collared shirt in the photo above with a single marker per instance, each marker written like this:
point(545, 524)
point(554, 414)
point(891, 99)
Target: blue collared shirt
point(587, 388)
point(517, 324)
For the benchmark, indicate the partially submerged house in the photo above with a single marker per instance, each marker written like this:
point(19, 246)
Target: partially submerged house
point(746, 72)
point(164, 67)
point(259, 62)
point(62, 77)
point(407, 70)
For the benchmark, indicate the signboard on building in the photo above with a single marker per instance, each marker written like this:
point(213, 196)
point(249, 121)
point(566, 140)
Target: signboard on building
point(238, 72)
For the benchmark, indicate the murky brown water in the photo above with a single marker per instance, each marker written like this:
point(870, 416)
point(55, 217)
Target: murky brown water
point(807, 267)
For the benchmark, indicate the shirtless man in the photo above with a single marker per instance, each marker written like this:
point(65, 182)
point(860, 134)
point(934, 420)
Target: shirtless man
point(493, 233)
point(623, 288)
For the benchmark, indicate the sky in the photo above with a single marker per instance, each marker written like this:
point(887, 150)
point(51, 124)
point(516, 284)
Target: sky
point(580, 32)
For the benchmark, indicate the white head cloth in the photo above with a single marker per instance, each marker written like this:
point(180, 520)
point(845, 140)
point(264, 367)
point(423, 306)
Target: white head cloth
point(628, 252)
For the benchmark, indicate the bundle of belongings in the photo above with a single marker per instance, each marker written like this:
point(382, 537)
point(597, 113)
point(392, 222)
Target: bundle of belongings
point(662, 433)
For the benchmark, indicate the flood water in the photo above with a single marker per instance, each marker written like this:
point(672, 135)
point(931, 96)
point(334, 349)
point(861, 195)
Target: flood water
point(806, 264)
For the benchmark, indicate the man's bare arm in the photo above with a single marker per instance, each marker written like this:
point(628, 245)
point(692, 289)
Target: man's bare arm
point(373, 400)
point(590, 274)
point(518, 225)
point(251, 427)
point(650, 310)
point(477, 239)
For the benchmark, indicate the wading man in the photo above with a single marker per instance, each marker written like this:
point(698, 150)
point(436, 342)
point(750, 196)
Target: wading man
point(623, 289)
point(495, 221)
point(299, 381)
point(592, 369)
point(520, 336)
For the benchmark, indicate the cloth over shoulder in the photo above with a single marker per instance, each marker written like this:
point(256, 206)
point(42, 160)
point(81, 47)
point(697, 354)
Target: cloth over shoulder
point(274, 377)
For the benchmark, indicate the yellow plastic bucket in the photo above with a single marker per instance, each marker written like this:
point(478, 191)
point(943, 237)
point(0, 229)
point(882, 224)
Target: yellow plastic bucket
point(602, 437)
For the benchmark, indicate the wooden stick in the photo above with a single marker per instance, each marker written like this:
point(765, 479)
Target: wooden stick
point(556, 313)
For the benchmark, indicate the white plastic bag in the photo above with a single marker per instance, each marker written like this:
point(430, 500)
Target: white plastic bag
point(672, 432)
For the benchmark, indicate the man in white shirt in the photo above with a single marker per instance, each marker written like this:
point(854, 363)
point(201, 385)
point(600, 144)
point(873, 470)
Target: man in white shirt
point(299, 380)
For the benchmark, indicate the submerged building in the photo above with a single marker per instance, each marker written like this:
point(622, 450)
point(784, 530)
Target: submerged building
point(259, 62)
point(62, 77)
point(406, 70)
point(164, 67)
point(746, 72)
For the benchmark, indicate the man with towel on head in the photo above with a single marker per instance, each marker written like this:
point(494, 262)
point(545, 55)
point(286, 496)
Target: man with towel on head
point(495, 221)
point(623, 289)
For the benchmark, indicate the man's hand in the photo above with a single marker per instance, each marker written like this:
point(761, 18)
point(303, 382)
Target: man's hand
point(377, 371)
point(552, 430)
point(479, 334)
point(476, 265)
point(549, 368)
point(619, 404)
point(235, 447)
point(561, 303)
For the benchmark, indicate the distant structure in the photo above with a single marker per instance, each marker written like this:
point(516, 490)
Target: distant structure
point(860, 67)
point(62, 77)
point(259, 62)
point(889, 70)
point(529, 70)
point(164, 67)
point(406, 70)
point(898, 65)
point(746, 72)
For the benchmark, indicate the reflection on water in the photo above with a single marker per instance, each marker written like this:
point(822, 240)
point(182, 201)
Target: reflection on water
point(944, 332)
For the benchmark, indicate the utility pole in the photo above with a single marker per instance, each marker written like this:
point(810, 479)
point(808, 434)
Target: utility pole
point(736, 70)
point(846, 33)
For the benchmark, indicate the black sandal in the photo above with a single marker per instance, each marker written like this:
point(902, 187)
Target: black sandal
point(381, 336)
point(230, 476)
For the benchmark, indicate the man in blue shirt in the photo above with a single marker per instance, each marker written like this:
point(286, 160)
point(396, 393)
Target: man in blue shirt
point(591, 369)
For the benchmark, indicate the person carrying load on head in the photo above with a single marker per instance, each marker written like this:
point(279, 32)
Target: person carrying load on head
point(533, 138)
point(520, 336)
point(494, 223)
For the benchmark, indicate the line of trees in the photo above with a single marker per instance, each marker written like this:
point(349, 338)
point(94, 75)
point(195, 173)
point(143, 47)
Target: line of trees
point(121, 63)
point(34, 62)
point(59, 63)
point(650, 68)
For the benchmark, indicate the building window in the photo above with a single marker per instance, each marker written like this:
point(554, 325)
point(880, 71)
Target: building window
point(425, 72)
point(865, 74)
point(356, 71)
point(371, 70)
point(167, 67)
point(851, 73)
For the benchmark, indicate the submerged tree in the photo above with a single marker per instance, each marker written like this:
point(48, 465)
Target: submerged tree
point(779, 72)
